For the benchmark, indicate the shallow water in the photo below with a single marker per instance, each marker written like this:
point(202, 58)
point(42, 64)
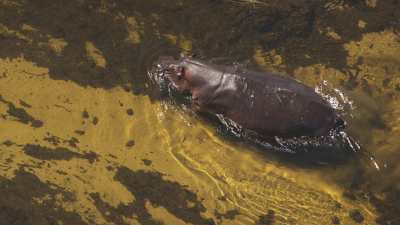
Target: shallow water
point(86, 141)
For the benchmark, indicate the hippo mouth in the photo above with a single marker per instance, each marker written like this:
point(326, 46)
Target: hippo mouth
point(158, 74)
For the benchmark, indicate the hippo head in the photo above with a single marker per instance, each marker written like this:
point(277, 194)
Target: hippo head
point(186, 74)
point(174, 72)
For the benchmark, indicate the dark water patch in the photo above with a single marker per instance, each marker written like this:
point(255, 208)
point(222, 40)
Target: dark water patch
point(52, 139)
point(115, 215)
point(77, 23)
point(147, 162)
point(380, 191)
point(85, 114)
point(267, 219)
point(356, 216)
point(79, 132)
point(129, 112)
point(58, 153)
point(127, 88)
point(90, 156)
point(388, 206)
point(150, 186)
point(36, 123)
point(45, 153)
point(112, 156)
point(4, 75)
point(95, 120)
point(8, 143)
point(318, 46)
point(110, 168)
point(335, 220)
point(62, 107)
point(230, 214)
point(21, 115)
point(72, 142)
point(19, 205)
point(61, 172)
point(130, 143)
point(24, 104)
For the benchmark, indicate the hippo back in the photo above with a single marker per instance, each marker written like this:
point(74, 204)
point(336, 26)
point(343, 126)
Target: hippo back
point(273, 105)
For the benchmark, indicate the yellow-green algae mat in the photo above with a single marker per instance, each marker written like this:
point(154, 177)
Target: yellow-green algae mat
point(93, 156)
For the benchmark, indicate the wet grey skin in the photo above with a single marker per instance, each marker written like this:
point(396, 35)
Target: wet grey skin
point(267, 103)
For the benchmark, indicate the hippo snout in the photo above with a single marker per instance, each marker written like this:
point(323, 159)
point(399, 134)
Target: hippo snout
point(173, 72)
point(160, 68)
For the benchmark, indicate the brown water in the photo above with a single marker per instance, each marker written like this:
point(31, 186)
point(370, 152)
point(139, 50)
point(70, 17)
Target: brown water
point(83, 140)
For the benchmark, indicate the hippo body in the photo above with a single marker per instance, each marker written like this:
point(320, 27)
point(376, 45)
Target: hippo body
point(268, 104)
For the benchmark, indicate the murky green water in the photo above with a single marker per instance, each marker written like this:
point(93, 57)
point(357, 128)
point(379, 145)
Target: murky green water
point(85, 141)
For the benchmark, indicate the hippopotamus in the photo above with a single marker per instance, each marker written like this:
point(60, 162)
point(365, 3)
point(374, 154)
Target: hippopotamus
point(267, 103)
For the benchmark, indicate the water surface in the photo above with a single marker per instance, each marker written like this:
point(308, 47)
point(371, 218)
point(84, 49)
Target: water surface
point(85, 141)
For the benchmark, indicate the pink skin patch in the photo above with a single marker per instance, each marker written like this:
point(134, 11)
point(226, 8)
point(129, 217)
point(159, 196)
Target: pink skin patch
point(176, 75)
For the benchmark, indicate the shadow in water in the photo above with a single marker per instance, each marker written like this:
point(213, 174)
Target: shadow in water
point(19, 202)
point(152, 188)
